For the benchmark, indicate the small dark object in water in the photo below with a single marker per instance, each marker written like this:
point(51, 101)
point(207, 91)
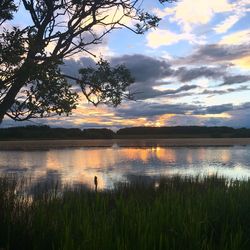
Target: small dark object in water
point(96, 183)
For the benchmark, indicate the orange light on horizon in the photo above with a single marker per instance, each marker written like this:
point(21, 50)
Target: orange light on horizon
point(243, 62)
point(165, 154)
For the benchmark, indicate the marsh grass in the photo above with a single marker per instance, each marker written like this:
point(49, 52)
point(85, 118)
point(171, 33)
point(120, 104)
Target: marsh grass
point(177, 213)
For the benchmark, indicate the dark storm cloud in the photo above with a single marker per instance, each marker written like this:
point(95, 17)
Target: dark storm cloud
point(169, 92)
point(240, 117)
point(215, 109)
point(214, 53)
point(245, 105)
point(183, 88)
point(149, 110)
point(150, 72)
point(142, 109)
point(225, 91)
point(153, 109)
point(223, 108)
point(185, 74)
point(144, 68)
point(147, 72)
point(71, 67)
point(237, 79)
point(213, 92)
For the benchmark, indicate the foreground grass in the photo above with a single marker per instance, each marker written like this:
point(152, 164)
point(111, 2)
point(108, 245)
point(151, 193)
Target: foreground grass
point(181, 213)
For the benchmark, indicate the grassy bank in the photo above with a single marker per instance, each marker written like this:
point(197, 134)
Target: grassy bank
point(177, 213)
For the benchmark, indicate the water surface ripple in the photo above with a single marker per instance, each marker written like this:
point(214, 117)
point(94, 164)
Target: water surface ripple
point(112, 164)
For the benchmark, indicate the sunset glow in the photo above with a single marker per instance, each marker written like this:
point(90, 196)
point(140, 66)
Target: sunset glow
point(193, 69)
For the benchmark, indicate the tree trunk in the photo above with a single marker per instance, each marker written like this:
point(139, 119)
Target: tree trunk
point(9, 99)
point(19, 81)
point(1, 117)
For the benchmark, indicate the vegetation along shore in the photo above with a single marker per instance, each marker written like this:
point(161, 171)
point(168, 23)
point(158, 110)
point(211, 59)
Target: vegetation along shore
point(46, 132)
point(168, 213)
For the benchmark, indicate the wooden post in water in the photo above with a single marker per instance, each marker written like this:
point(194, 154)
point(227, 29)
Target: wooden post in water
point(96, 183)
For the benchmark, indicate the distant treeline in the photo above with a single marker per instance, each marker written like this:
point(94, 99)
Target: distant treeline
point(46, 132)
point(183, 132)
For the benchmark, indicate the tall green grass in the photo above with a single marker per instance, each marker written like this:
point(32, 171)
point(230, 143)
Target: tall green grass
point(178, 213)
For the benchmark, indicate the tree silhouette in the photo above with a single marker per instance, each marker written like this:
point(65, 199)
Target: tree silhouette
point(31, 82)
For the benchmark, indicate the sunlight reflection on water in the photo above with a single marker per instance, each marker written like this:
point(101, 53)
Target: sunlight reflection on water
point(112, 164)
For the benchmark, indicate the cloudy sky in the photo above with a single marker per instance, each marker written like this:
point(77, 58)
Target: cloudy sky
point(194, 69)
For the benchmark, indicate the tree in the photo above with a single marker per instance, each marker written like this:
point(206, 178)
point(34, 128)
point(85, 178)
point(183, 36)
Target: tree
point(31, 81)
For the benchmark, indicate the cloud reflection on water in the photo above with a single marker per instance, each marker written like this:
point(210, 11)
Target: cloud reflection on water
point(80, 165)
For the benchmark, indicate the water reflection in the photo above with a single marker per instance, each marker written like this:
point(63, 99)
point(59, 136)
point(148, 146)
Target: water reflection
point(115, 164)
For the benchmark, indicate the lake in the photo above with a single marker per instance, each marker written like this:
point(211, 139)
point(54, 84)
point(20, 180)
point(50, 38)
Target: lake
point(79, 165)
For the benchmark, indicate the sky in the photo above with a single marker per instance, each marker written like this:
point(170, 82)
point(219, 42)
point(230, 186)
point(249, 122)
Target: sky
point(193, 69)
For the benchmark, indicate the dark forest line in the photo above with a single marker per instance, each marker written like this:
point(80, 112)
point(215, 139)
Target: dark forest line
point(46, 132)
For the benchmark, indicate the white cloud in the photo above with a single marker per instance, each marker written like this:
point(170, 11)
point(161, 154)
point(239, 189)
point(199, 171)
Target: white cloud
point(236, 38)
point(100, 51)
point(160, 37)
point(228, 23)
point(240, 9)
point(188, 13)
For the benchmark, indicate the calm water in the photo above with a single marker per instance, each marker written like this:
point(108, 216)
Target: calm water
point(80, 165)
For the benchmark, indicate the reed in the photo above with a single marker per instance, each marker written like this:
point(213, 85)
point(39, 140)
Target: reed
point(174, 213)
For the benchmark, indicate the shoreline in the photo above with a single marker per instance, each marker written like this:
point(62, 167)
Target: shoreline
point(144, 214)
point(178, 142)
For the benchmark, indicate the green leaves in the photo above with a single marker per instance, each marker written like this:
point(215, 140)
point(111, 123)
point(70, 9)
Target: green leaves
point(105, 84)
point(12, 47)
point(7, 7)
point(146, 22)
point(48, 94)
point(31, 84)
